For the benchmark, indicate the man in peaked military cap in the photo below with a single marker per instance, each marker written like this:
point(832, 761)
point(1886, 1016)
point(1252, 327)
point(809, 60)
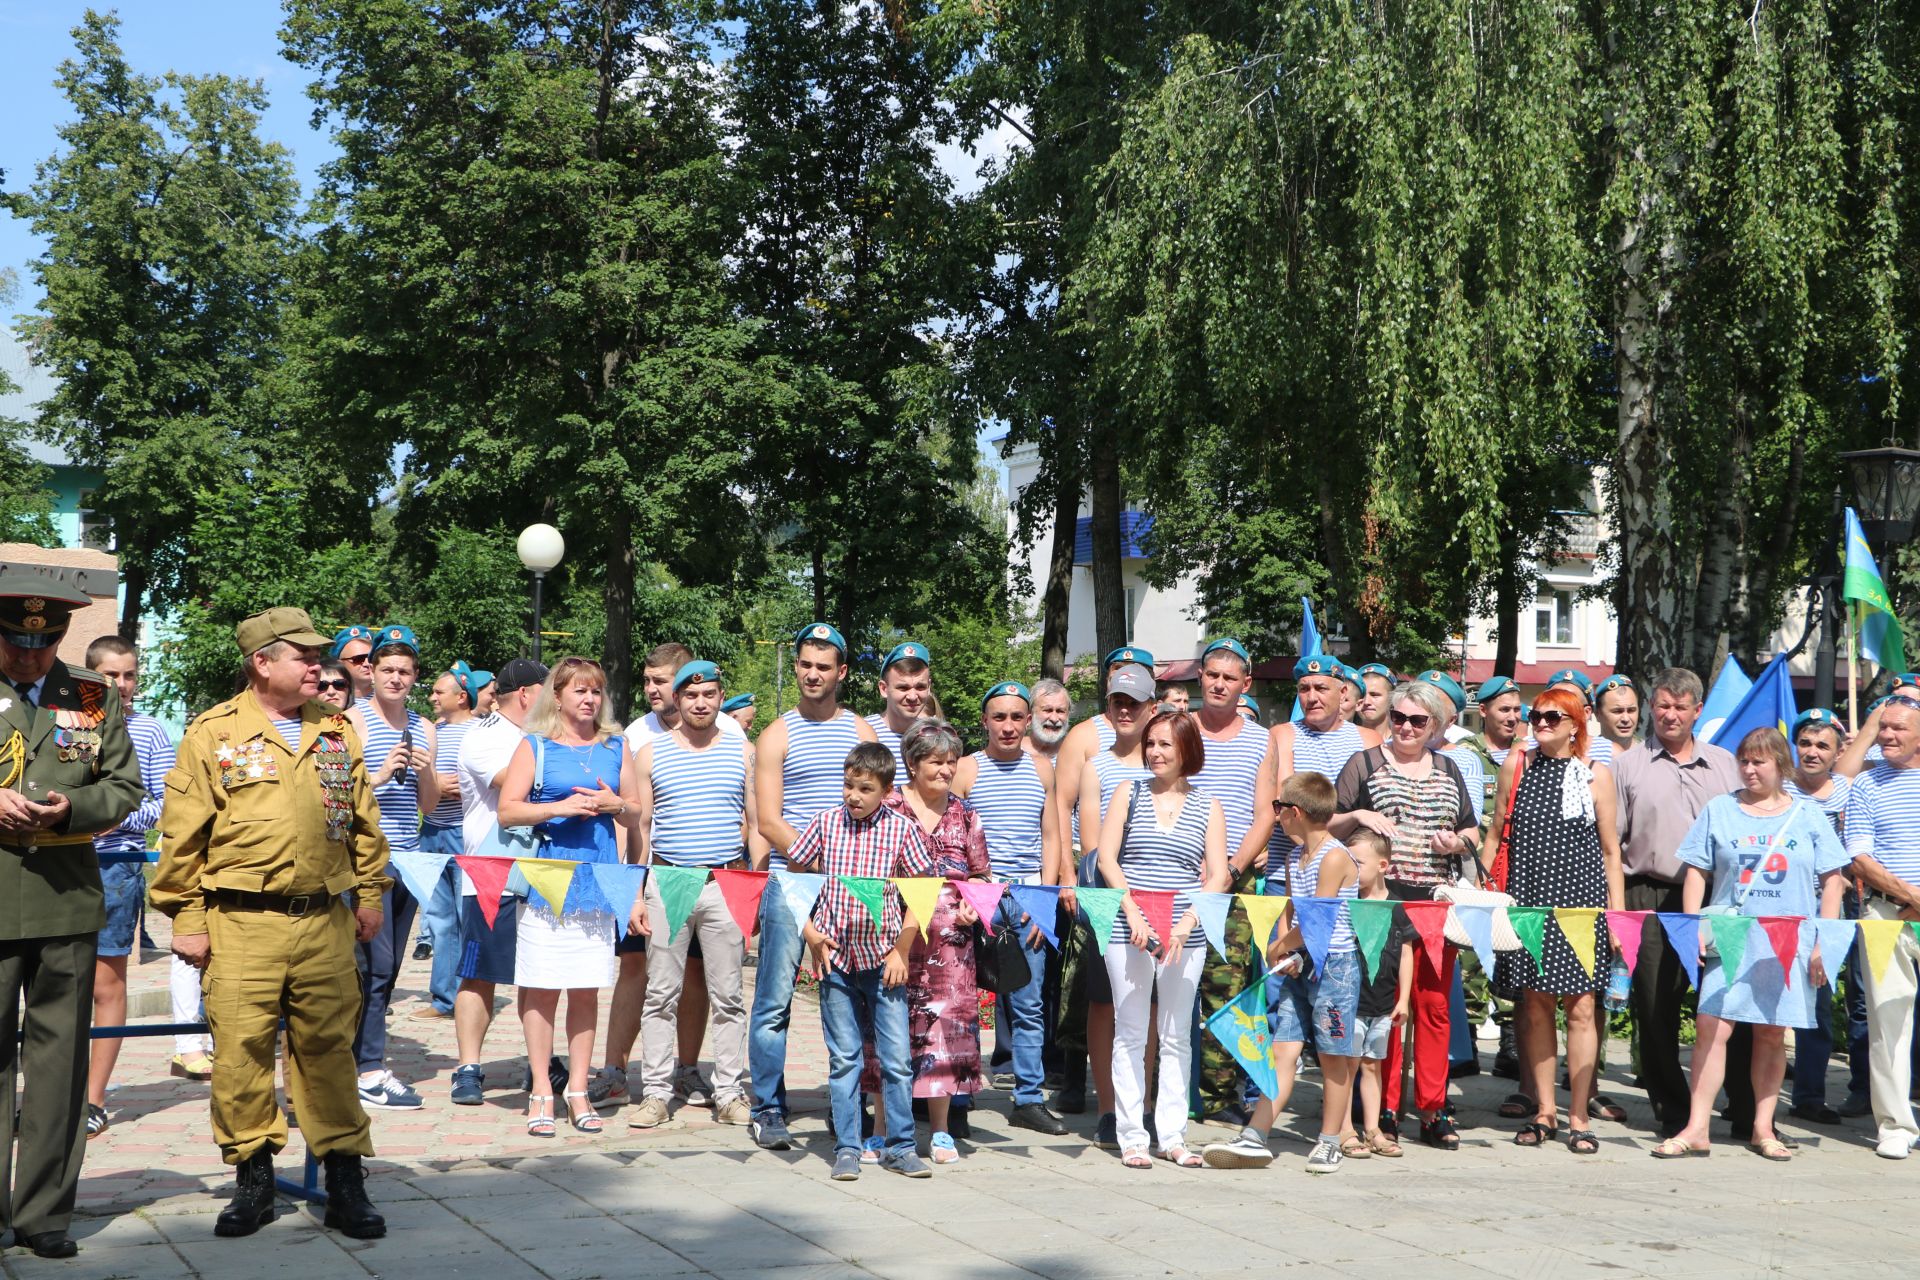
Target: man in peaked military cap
point(67, 772)
point(269, 822)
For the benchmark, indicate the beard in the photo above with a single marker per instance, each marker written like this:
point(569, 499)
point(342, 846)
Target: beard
point(1045, 737)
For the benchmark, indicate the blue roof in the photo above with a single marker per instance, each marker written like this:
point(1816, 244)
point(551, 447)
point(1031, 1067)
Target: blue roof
point(1134, 528)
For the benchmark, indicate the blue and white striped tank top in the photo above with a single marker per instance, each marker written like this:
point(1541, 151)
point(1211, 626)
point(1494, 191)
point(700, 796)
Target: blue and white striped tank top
point(399, 798)
point(1230, 774)
point(446, 759)
point(1313, 752)
point(813, 775)
point(891, 741)
point(1103, 730)
point(1172, 859)
point(699, 802)
point(289, 731)
point(1011, 801)
point(1834, 806)
point(1112, 772)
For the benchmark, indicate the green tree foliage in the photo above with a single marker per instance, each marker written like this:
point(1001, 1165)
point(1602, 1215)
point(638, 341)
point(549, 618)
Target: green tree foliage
point(167, 220)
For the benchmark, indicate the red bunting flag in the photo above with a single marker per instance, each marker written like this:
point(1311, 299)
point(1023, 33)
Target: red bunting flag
point(1783, 935)
point(489, 877)
point(1157, 906)
point(1625, 927)
point(1429, 920)
point(983, 896)
point(742, 890)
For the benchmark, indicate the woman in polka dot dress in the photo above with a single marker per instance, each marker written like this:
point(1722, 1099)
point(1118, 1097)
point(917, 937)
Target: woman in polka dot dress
point(1563, 851)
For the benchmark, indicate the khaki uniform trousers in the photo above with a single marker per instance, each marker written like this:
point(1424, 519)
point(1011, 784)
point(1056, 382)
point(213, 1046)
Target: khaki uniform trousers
point(1890, 1000)
point(266, 965)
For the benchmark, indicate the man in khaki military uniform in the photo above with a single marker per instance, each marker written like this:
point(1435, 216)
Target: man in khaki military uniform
point(268, 822)
point(66, 772)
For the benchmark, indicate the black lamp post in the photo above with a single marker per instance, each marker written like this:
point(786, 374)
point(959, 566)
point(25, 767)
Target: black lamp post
point(1886, 497)
point(540, 547)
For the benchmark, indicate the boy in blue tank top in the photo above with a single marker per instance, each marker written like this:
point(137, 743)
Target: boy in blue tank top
point(799, 772)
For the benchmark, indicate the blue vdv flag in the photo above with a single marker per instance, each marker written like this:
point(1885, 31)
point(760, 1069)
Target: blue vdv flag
point(1729, 687)
point(1768, 705)
point(1309, 642)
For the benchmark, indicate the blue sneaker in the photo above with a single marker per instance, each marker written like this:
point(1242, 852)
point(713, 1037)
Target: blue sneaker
point(388, 1094)
point(467, 1081)
point(770, 1133)
point(906, 1163)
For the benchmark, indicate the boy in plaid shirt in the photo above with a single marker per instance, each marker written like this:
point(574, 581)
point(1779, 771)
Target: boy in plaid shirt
point(863, 970)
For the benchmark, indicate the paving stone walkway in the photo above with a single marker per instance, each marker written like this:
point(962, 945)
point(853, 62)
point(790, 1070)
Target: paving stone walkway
point(467, 1193)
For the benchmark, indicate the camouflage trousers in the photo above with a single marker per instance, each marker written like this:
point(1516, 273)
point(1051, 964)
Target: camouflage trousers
point(1219, 1083)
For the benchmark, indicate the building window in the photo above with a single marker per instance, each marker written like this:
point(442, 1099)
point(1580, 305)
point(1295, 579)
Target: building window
point(1133, 604)
point(1553, 618)
point(94, 531)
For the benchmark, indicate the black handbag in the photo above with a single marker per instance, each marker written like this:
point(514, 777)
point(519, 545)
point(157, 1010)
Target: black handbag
point(1000, 962)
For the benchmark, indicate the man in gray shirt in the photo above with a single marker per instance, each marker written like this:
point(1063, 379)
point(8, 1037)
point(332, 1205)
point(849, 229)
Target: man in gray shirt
point(1664, 783)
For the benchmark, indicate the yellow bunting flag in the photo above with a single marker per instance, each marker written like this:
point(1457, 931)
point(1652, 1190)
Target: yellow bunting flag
point(921, 894)
point(1263, 913)
point(1576, 926)
point(548, 877)
point(1880, 935)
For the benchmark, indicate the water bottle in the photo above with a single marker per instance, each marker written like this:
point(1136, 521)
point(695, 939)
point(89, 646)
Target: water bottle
point(1618, 982)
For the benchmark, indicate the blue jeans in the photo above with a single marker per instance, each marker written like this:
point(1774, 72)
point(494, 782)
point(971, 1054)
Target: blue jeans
point(1460, 1039)
point(1024, 1010)
point(773, 974)
point(440, 917)
point(854, 1006)
point(379, 964)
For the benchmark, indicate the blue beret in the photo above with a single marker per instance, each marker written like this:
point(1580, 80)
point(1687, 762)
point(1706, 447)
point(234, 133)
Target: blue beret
point(821, 633)
point(1819, 716)
point(346, 636)
point(1247, 701)
point(1572, 676)
point(1226, 644)
point(1353, 678)
point(478, 680)
point(911, 650)
point(1618, 680)
point(1494, 688)
point(1317, 664)
point(737, 701)
point(1447, 685)
point(1878, 703)
point(1004, 689)
point(1380, 669)
point(1129, 653)
point(695, 671)
point(1906, 680)
point(395, 633)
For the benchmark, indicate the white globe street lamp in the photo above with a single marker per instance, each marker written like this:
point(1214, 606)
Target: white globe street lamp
point(541, 548)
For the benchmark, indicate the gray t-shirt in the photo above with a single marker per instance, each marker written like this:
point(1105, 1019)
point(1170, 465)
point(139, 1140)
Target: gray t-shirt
point(1659, 799)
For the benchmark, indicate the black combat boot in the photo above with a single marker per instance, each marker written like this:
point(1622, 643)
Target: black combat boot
point(252, 1206)
point(348, 1209)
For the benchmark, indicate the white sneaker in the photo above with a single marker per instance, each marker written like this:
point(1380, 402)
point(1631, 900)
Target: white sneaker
point(1325, 1157)
point(1895, 1146)
point(1241, 1153)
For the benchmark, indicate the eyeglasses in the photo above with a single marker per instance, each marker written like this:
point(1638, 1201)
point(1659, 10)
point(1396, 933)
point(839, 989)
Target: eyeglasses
point(364, 659)
point(337, 686)
point(1547, 719)
point(1278, 805)
point(1400, 717)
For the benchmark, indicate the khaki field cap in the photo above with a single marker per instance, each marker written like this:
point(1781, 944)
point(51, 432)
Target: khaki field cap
point(291, 625)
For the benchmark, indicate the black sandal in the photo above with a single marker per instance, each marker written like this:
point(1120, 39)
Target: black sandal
point(1439, 1132)
point(1583, 1142)
point(1534, 1134)
point(1518, 1106)
point(1389, 1124)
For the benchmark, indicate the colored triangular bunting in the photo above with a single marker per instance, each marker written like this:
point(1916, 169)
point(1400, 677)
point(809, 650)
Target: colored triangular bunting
point(489, 876)
point(798, 893)
point(420, 872)
point(1372, 922)
point(742, 891)
point(984, 897)
point(1625, 928)
point(921, 894)
point(1101, 906)
point(1041, 903)
point(1836, 940)
point(1730, 940)
point(550, 878)
point(1317, 916)
point(1157, 906)
point(1879, 937)
point(1530, 926)
point(872, 893)
point(1429, 920)
point(1212, 909)
point(1783, 935)
point(1576, 926)
point(1478, 922)
point(619, 883)
point(1263, 913)
point(679, 888)
point(1683, 935)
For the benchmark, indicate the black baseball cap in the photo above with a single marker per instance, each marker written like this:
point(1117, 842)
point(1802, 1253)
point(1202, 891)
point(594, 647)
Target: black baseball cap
point(518, 673)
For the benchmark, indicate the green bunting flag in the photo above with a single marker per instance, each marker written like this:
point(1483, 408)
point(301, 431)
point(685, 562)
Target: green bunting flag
point(1730, 940)
point(1101, 906)
point(1372, 923)
point(1530, 926)
point(872, 893)
point(679, 888)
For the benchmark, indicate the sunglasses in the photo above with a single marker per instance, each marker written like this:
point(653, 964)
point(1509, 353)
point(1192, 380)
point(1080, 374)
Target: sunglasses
point(1400, 717)
point(1278, 805)
point(364, 659)
point(1547, 718)
point(339, 686)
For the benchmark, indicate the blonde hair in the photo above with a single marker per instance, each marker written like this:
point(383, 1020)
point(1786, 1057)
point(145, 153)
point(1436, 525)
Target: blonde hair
point(545, 720)
point(1430, 699)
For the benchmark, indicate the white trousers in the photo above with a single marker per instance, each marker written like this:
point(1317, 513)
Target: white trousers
point(724, 952)
point(1136, 979)
point(183, 984)
point(1890, 1026)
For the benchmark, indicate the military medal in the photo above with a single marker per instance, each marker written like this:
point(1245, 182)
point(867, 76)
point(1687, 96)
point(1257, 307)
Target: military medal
point(330, 758)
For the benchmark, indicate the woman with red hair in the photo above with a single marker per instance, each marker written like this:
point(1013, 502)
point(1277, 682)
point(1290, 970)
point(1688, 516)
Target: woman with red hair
point(1563, 850)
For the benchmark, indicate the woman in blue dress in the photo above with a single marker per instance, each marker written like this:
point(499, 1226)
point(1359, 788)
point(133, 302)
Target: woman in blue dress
point(567, 781)
point(1772, 857)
